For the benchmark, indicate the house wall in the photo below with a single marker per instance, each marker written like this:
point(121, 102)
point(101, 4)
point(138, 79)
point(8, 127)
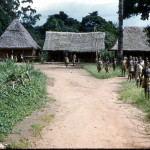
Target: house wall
point(17, 52)
point(135, 54)
point(58, 56)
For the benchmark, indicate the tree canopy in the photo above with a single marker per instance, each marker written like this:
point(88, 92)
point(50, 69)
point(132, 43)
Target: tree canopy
point(136, 7)
point(17, 9)
point(93, 20)
point(61, 22)
point(4, 21)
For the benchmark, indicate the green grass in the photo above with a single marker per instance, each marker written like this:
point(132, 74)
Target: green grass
point(17, 103)
point(135, 96)
point(37, 128)
point(92, 68)
point(48, 118)
point(22, 144)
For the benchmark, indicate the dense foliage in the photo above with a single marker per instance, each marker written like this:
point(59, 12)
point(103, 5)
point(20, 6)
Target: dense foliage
point(92, 21)
point(4, 21)
point(136, 7)
point(19, 94)
point(61, 22)
point(20, 9)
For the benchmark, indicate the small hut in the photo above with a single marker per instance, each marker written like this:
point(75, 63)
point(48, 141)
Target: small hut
point(85, 45)
point(135, 42)
point(17, 41)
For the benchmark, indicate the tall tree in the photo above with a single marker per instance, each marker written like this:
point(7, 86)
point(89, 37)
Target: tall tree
point(17, 9)
point(120, 36)
point(61, 22)
point(4, 21)
point(94, 20)
point(136, 7)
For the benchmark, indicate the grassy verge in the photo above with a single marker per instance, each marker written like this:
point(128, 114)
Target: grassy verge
point(22, 144)
point(92, 68)
point(48, 118)
point(37, 128)
point(19, 95)
point(135, 96)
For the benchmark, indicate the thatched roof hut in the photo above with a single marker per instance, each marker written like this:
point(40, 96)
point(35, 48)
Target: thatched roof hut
point(17, 38)
point(135, 40)
point(85, 45)
point(74, 42)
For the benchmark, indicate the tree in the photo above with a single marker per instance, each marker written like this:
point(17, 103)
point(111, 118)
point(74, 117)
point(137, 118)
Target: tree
point(17, 9)
point(136, 7)
point(4, 21)
point(61, 22)
point(90, 21)
point(94, 20)
point(120, 37)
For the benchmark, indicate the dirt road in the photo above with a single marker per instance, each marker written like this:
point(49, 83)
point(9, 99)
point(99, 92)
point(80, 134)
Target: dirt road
point(89, 113)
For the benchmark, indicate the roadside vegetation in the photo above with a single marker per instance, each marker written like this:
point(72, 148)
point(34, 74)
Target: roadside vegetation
point(131, 94)
point(92, 68)
point(37, 128)
point(22, 90)
point(22, 144)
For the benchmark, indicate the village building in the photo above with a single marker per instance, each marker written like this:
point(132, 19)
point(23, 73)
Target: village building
point(86, 46)
point(17, 41)
point(135, 42)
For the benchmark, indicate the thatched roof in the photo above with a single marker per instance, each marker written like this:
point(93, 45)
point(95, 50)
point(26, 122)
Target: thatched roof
point(17, 37)
point(134, 39)
point(74, 42)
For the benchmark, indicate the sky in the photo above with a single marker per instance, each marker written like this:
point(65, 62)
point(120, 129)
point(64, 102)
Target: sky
point(77, 9)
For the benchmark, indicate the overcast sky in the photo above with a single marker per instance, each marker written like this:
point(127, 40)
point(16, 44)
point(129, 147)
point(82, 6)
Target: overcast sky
point(77, 9)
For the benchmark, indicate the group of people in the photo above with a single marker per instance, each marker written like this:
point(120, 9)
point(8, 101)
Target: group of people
point(74, 58)
point(107, 64)
point(15, 58)
point(138, 70)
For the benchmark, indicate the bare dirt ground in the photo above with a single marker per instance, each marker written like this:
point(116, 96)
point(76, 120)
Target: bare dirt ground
point(88, 113)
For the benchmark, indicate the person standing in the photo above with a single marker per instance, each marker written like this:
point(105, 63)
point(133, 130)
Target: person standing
point(107, 65)
point(114, 63)
point(7, 57)
point(74, 59)
point(21, 57)
point(66, 59)
point(99, 65)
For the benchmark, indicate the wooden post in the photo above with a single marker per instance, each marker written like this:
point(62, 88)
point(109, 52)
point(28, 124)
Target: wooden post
point(95, 30)
point(96, 51)
point(120, 37)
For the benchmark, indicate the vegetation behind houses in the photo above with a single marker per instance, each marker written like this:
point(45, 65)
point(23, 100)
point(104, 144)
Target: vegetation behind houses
point(61, 22)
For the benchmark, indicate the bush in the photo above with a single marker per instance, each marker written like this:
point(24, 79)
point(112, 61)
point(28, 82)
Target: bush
point(19, 95)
